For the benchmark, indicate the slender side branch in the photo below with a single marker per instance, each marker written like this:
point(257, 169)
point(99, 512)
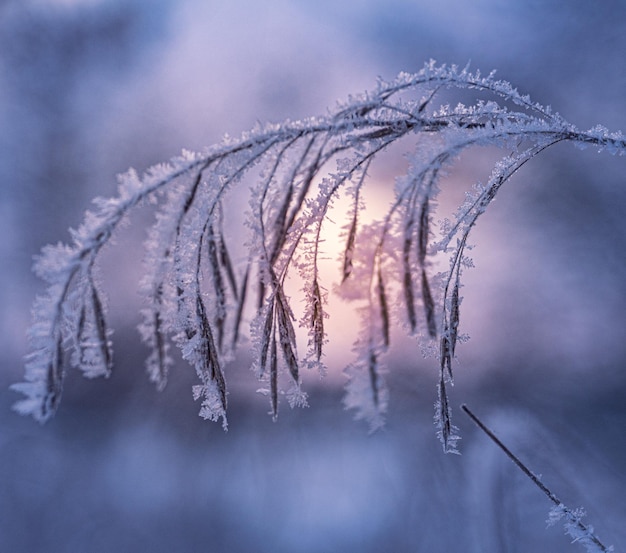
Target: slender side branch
point(573, 525)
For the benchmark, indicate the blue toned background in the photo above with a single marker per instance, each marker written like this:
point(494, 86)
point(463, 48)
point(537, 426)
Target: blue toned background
point(91, 87)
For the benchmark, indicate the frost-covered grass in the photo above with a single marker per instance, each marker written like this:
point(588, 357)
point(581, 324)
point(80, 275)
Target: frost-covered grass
point(288, 177)
point(195, 294)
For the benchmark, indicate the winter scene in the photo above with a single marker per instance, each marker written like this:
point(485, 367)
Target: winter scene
point(313, 277)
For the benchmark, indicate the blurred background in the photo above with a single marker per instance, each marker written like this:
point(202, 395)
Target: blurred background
point(89, 88)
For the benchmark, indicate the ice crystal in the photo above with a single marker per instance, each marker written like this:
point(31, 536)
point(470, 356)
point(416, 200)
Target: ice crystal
point(576, 529)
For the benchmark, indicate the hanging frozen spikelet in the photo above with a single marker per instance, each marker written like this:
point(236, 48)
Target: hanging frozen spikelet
point(197, 290)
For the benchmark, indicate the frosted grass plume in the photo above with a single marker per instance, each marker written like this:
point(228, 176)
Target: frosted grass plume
point(196, 295)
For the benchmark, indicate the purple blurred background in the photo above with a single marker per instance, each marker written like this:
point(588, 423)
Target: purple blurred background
point(89, 88)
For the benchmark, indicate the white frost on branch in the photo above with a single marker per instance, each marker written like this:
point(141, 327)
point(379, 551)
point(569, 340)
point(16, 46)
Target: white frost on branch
point(196, 292)
point(576, 529)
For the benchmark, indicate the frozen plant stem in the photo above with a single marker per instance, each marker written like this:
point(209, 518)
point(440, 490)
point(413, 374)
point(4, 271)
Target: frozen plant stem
point(574, 526)
point(204, 266)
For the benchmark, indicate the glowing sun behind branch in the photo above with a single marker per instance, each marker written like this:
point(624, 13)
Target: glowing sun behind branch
point(304, 181)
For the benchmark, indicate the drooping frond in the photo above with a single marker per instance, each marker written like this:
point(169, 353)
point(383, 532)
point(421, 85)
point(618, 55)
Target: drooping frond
point(290, 175)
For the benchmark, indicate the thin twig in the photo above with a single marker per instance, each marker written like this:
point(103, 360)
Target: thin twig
point(572, 517)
